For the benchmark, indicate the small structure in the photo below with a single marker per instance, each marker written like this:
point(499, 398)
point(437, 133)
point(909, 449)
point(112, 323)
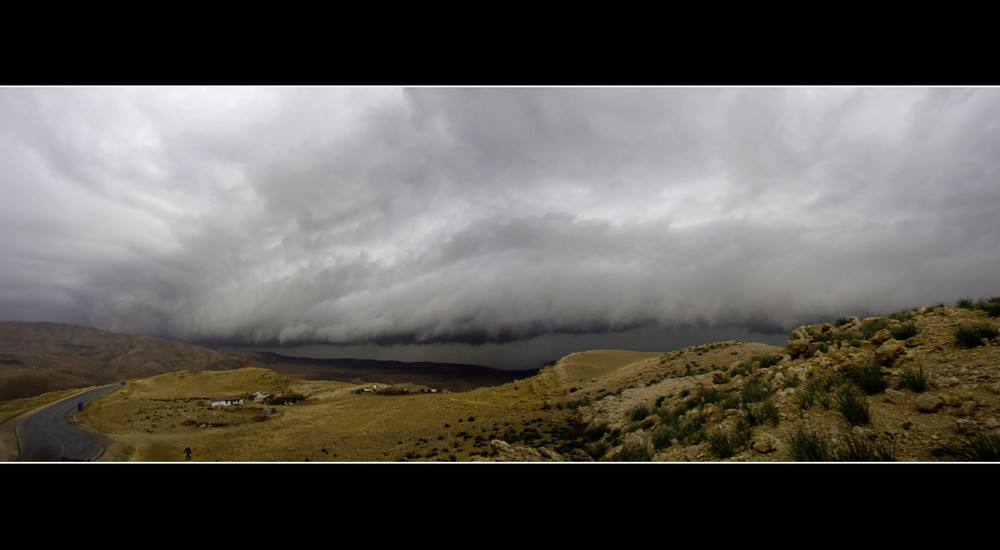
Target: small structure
point(228, 402)
point(261, 397)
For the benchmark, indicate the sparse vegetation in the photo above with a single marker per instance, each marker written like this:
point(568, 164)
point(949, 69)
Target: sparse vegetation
point(755, 390)
point(852, 406)
point(792, 381)
point(725, 443)
point(758, 413)
point(742, 369)
point(868, 376)
point(856, 448)
point(871, 326)
point(808, 446)
point(970, 336)
point(990, 306)
point(769, 360)
point(915, 378)
point(639, 412)
point(905, 330)
point(846, 337)
point(977, 446)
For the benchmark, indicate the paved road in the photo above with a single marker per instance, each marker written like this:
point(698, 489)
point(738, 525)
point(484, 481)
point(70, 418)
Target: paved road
point(47, 435)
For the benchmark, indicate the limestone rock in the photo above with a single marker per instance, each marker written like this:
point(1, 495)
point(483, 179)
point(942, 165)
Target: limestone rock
point(928, 402)
point(765, 443)
point(881, 336)
point(889, 352)
point(895, 397)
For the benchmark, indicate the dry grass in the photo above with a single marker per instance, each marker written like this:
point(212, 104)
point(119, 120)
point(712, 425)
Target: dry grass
point(155, 419)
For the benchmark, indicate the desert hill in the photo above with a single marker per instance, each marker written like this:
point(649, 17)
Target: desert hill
point(43, 357)
point(917, 385)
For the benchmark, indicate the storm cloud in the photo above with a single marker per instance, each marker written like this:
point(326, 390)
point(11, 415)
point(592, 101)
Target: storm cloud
point(346, 215)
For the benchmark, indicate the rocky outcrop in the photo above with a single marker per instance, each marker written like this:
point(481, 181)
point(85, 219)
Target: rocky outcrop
point(927, 391)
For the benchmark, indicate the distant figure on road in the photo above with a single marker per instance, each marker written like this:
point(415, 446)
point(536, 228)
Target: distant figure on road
point(187, 453)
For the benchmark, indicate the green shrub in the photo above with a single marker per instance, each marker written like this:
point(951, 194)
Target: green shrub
point(640, 412)
point(905, 330)
point(674, 424)
point(821, 337)
point(970, 336)
point(769, 360)
point(842, 321)
point(595, 433)
point(849, 336)
point(808, 446)
point(758, 413)
point(598, 449)
point(742, 369)
point(870, 327)
point(816, 390)
point(720, 443)
point(663, 436)
point(964, 303)
point(915, 378)
point(724, 443)
point(720, 377)
point(805, 397)
point(730, 402)
point(863, 449)
point(977, 446)
point(754, 390)
point(852, 406)
point(711, 395)
point(902, 316)
point(792, 381)
point(991, 306)
point(868, 376)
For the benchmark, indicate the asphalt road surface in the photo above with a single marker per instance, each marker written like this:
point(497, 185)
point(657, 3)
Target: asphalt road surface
point(47, 434)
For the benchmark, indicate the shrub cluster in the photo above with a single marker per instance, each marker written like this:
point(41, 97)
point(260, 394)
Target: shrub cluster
point(977, 446)
point(868, 376)
point(755, 390)
point(991, 306)
point(970, 336)
point(915, 378)
point(725, 443)
point(808, 446)
point(852, 406)
point(905, 330)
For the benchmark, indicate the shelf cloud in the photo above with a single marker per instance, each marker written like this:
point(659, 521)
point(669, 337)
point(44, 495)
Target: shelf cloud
point(349, 215)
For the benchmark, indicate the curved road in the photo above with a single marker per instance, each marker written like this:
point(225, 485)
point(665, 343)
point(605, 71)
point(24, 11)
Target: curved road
point(46, 434)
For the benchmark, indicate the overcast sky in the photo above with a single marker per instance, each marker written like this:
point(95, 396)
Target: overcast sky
point(278, 215)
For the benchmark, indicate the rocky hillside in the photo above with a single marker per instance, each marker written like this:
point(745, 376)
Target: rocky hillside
point(919, 385)
point(41, 357)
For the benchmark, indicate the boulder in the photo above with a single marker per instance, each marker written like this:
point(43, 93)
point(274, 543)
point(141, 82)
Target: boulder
point(890, 350)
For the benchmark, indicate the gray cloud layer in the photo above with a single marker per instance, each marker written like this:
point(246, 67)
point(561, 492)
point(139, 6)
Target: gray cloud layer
point(347, 215)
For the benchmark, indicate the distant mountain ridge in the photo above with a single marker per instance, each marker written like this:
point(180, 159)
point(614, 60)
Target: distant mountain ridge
point(37, 357)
